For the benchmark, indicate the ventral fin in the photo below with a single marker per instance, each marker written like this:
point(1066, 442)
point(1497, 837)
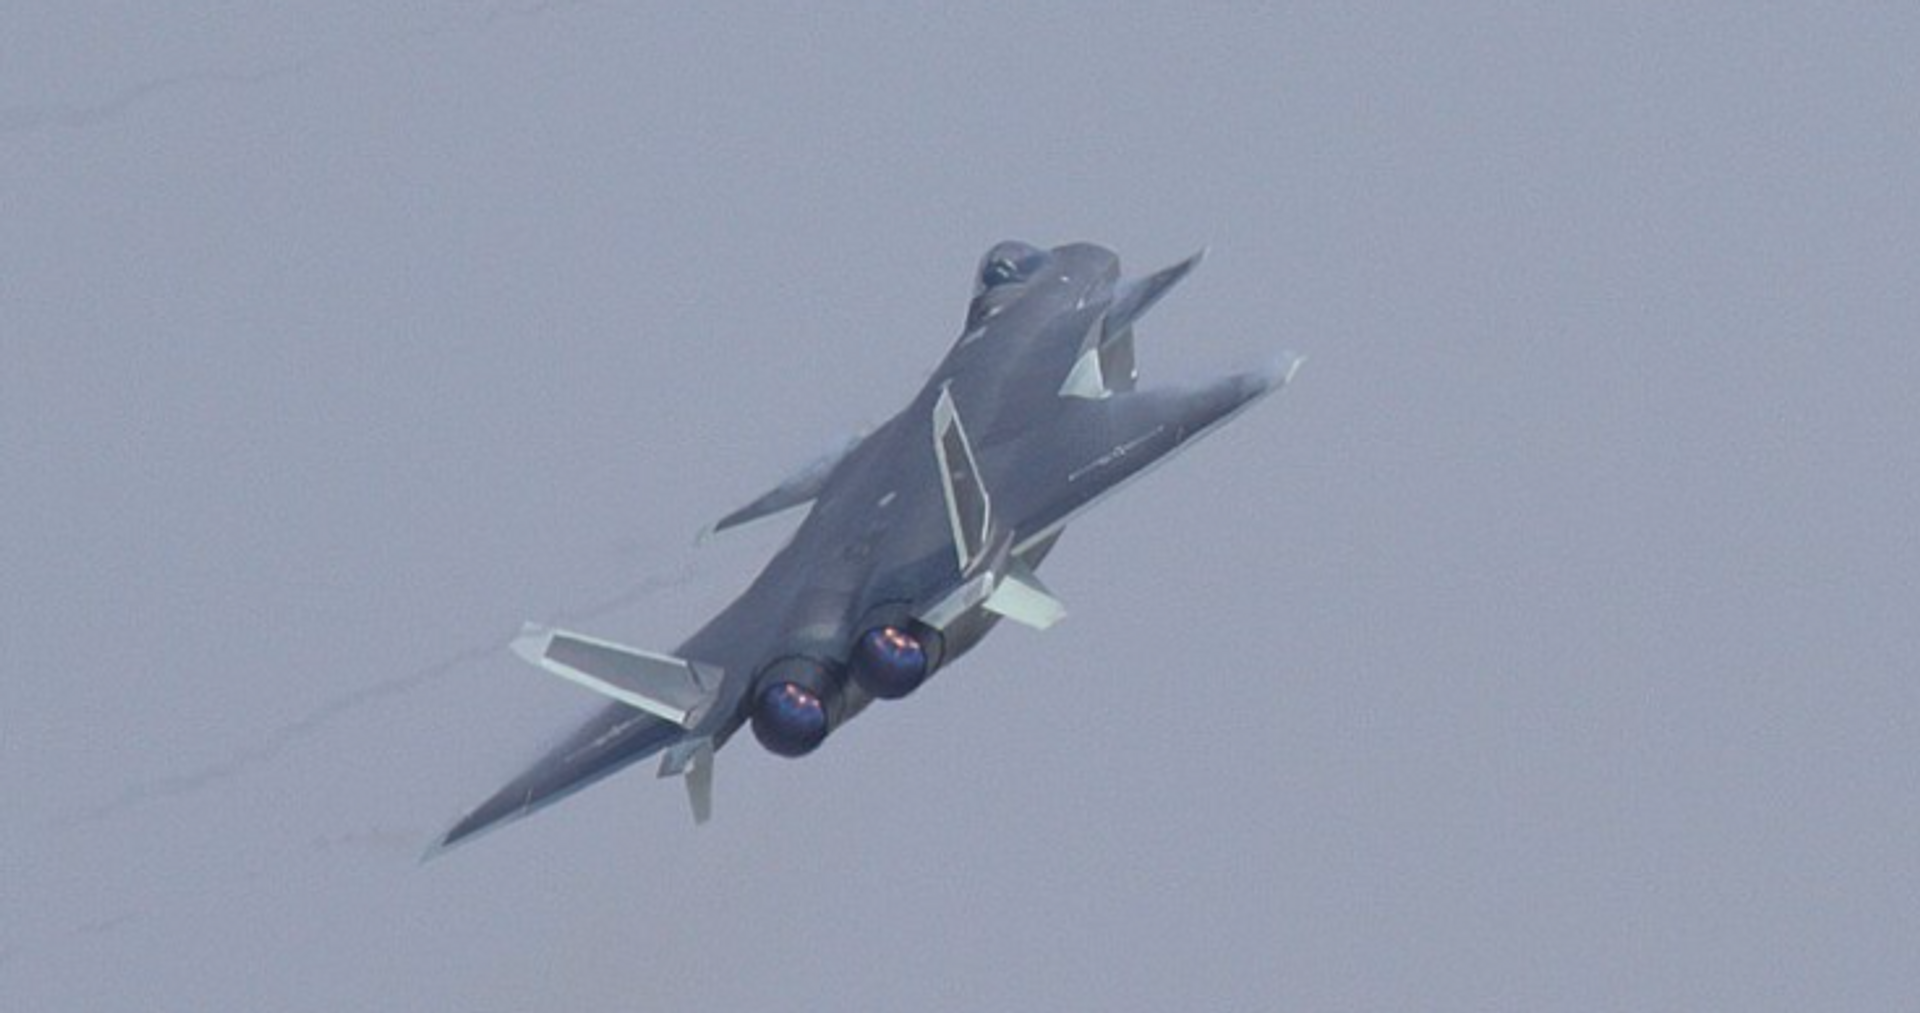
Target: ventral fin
point(692, 760)
point(1022, 598)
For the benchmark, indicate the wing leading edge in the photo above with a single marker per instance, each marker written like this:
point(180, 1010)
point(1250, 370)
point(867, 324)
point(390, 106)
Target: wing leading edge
point(613, 739)
point(1099, 446)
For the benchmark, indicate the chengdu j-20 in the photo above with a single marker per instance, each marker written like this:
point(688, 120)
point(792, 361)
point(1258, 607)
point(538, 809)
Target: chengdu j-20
point(921, 535)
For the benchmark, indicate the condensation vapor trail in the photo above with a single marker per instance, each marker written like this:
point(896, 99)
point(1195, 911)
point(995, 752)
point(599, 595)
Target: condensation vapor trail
point(330, 712)
point(18, 119)
point(26, 118)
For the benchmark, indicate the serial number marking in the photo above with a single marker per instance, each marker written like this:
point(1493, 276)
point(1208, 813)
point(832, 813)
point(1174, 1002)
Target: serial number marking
point(1116, 454)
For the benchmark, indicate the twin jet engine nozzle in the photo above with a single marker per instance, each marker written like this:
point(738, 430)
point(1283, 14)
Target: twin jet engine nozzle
point(800, 700)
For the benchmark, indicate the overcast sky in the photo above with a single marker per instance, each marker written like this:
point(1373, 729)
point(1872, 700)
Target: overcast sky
point(1549, 645)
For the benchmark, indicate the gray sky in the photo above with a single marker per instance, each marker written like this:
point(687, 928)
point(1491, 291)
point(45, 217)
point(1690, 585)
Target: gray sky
point(1550, 645)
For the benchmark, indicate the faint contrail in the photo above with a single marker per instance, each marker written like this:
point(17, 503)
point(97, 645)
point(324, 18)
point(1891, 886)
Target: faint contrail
point(19, 119)
point(102, 926)
point(326, 714)
point(242, 760)
point(484, 19)
point(379, 839)
point(30, 117)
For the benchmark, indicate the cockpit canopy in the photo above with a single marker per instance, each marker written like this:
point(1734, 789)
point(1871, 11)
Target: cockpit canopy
point(1008, 263)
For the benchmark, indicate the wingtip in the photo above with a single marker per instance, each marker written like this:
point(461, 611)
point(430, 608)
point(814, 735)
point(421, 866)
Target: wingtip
point(1289, 363)
point(455, 836)
point(1277, 373)
point(531, 642)
point(484, 819)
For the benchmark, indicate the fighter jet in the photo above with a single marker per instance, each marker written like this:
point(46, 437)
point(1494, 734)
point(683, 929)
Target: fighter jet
point(920, 536)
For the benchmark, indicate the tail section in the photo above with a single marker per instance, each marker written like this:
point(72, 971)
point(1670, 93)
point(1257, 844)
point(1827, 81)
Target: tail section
point(660, 697)
point(664, 686)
